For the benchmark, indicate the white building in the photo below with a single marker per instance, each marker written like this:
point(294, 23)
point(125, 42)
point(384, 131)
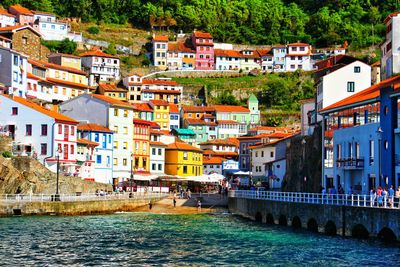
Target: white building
point(174, 116)
point(101, 67)
point(6, 19)
point(341, 82)
point(213, 165)
point(228, 128)
point(298, 57)
point(13, 67)
point(160, 48)
point(40, 133)
point(49, 26)
point(85, 158)
point(390, 56)
point(157, 153)
point(267, 60)
point(161, 89)
point(134, 84)
point(113, 114)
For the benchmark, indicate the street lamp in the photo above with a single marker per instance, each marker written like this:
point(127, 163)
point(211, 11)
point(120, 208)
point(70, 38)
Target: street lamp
point(379, 132)
point(131, 180)
point(58, 153)
point(303, 144)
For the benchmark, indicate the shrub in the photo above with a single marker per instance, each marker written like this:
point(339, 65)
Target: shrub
point(93, 30)
point(7, 154)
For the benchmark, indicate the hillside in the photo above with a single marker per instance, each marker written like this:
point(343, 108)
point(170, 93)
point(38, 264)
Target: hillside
point(321, 23)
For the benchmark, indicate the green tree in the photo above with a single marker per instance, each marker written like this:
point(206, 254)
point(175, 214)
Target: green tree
point(111, 49)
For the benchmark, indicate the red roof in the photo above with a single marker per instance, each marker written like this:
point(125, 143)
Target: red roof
point(198, 109)
point(55, 115)
point(68, 83)
point(298, 44)
point(182, 146)
point(370, 93)
point(213, 160)
point(226, 108)
point(199, 122)
point(160, 82)
point(265, 52)
point(63, 55)
point(140, 121)
point(159, 102)
point(142, 107)
point(202, 35)
point(86, 142)
point(160, 91)
point(33, 77)
point(5, 12)
point(112, 101)
point(180, 47)
point(44, 64)
point(97, 53)
point(18, 27)
point(155, 143)
point(22, 10)
point(272, 129)
point(105, 87)
point(173, 108)
point(390, 16)
point(92, 127)
point(160, 38)
point(223, 142)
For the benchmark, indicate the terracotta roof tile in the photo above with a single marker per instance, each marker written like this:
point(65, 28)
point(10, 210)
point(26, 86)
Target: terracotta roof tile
point(68, 83)
point(199, 122)
point(86, 142)
point(105, 87)
point(112, 101)
point(159, 82)
point(44, 64)
point(182, 146)
point(92, 127)
point(22, 10)
point(155, 143)
point(198, 108)
point(159, 102)
point(55, 115)
point(142, 107)
point(265, 52)
point(224, 142)
point(18, 27)
point(213, 160)
point(173, 108)
point(199, 34)
point(160, 38)
point(5, 12)
point(180, 47)
point(298, 44)
point(160, 91)
point(97, 53)
point(227, 122)
point(390, 16)
point(140, 121)
point(226, 108)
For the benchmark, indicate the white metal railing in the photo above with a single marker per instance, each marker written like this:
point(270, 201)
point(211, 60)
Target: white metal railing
point(11, 198)
point(317, 198)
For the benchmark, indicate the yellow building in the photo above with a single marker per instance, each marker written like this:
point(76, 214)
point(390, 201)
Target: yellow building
point(160, 113)
point(111, 90)
point(183, 160)
point(141, 145)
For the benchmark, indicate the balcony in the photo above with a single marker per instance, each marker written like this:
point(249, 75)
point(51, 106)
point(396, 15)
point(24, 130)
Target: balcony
point(350, 163)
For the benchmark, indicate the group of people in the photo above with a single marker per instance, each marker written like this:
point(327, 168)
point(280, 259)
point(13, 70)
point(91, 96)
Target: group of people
point(184, 193)
point(384, 197)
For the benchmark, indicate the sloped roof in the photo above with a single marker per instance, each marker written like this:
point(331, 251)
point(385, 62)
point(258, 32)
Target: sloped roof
point(197, 108)
point(224, 142)
point(97, 53)
point(173, 108)
point(19, 27)
point(160, 38)
point(55, 115)
point(265, 52)
point(182, 146)
point(5, 12)
point(213, 160)
point(92, 127)
point(199, 34)
point(105, 87)
point(298, 44)
point(112, 101)
point(155, 143)
point(140, 121)
point(68, 83)
point(199, 122)
point(159, 82)
point(22, 10)
point(390, 16)
point(370, 93)
point(86, 142)
point(235, 53)
point(142, 107)
point(227, 108)
point(44, 64)
point(159, 102)
point(180, 47)
point(334, 60)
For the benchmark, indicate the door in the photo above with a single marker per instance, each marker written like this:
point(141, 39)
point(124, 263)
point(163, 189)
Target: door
point(11, 130)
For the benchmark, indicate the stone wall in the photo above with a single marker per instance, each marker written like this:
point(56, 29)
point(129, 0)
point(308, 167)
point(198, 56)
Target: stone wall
point(195, 74)
point(33, 47)
point(329, 219)
point(24, 175)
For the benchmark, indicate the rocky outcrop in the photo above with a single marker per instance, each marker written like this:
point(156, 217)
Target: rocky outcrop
point(24, 175)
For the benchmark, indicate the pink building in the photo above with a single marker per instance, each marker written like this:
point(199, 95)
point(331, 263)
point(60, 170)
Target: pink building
point(23, 15)
point(204, 45)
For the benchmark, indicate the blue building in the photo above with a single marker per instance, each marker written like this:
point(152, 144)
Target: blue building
point(279, 54)
point(361, 139)
point(103, 168)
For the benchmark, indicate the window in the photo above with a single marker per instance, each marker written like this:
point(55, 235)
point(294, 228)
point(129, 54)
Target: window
point(53, 27)
point(153, 151)
point(357, 69)
point(96, 137)
point(184, 169)
point(159, 167)
point(159, 151)
point(185, 155)
point(14, 111)
point(59, 129)
point(125, 130)
point(302, 48)
point(116, 144)
point(125, 145)
point(272, 154)
point(371, 152)
point(43, 149)
point(115, 112)
point(116, 129)
point(72, 130)
point(126, 113)
point(15, 76)
point(124, 162)
point(72, 148)
point(115, 161)
point(350, 86)
point(28, 131)
point(15, 60)
point(153, 166)
point(43, 130)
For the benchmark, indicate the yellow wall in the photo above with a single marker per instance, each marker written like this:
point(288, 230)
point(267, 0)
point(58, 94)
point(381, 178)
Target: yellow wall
point(175, 164)
point(141, 148)
point(116, 95)
point(163, 118)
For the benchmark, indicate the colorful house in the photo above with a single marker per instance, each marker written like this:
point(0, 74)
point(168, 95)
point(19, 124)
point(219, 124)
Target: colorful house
point(13, 72)
point(103, 167)
point(111, 90)
point(134, 84)
point(141, 145)
point(143, 111)
point(213, 165)
point(66, 60)
point(113, 114)
point(161, 89)
point(85, 158)
point(40, 133)
point(160, 48)
point(160, 113)
point(186, 135)
point(157, 153)
point(267, 60)
point(174, 116)
point(298, 57)
point(183, 160)
point(204, 45)
point(6, 19)
point(101, 67)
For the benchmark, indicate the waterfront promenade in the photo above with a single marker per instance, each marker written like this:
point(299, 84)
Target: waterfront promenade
point(347, 215)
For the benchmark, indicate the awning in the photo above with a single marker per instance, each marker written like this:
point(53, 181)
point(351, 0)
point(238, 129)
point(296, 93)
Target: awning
point(241, 173)
point(141, 177)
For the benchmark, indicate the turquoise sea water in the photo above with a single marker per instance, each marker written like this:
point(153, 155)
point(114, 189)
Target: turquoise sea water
point(142, 239)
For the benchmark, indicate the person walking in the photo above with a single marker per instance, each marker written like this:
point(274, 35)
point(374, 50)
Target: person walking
point(391, 196)
point(189, 194)
point(372, 195)
point(174, 199)
point(199, 205)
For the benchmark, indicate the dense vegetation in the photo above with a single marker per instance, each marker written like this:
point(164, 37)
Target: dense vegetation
point(275, 91)
point(320, 22)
